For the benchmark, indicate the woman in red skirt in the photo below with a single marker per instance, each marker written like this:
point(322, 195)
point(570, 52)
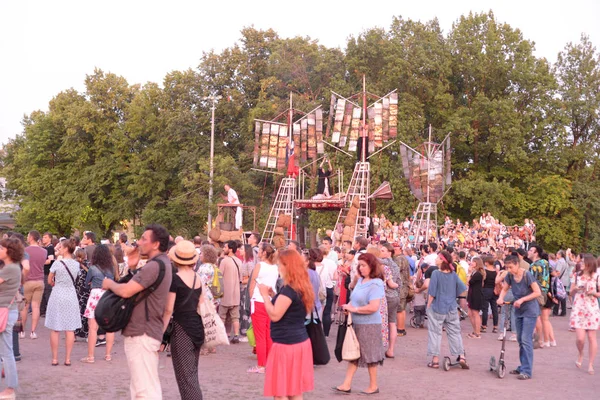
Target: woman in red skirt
point(289, 371)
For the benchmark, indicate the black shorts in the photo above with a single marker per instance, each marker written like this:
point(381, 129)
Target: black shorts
point(549, 302)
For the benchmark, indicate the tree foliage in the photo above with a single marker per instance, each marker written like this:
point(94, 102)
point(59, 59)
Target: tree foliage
point(525, 134)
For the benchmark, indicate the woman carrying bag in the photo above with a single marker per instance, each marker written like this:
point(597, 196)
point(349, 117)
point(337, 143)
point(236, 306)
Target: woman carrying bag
point(289, 369)
point(11, 253)
point(187, 334)
point(364, 306)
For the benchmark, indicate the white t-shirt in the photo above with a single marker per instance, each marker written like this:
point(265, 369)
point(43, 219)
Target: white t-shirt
point(267, 275)
point(326, 271)
point(430, 259)
point(465, 265)
point(232, 197)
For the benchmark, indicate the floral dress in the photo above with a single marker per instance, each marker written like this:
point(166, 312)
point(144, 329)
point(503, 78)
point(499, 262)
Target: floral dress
point(206, 272)
point(586, 312)
point(383, 310)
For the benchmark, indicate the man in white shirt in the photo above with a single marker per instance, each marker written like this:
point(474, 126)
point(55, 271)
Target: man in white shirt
point(463, 261)
point(331, 254)
point(328, 273)
point(232, 198)
point(431, 257)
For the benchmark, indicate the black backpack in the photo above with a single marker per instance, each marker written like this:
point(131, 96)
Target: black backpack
point(113, 312)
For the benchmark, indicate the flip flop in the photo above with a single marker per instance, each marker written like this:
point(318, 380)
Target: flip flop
point(435, 365)
point(341, 391)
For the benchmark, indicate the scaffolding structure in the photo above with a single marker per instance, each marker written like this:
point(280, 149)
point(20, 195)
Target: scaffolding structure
point(274, 149)
point(428, 172)
point(369, 127)
point(283, 205)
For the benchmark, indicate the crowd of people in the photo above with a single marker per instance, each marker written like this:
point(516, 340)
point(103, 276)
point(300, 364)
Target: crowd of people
point(265, 296)
point(484, 233)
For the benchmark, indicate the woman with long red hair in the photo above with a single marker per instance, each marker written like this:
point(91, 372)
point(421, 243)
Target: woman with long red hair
point(289, 369)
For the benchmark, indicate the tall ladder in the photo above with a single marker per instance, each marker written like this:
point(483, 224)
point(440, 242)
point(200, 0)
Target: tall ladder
point(425, 219)
point(359, 188)
point(283, 204)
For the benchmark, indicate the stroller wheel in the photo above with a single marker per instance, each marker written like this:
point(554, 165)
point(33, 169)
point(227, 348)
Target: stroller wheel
point(413, 323)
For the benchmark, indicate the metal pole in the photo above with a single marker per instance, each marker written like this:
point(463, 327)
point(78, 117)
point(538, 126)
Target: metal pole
point(214, 99)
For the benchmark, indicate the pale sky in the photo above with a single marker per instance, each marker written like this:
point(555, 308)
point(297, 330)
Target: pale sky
point(49, 46)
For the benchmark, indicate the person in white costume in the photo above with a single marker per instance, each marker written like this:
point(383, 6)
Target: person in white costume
point(232, 198)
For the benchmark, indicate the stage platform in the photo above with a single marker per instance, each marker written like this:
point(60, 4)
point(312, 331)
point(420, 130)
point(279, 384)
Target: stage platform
point(324, 204)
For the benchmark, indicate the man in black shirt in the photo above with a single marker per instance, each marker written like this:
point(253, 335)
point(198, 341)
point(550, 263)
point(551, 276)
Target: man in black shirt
point(47, 244)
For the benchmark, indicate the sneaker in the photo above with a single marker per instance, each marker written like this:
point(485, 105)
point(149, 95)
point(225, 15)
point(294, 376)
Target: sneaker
point(32, 335)
point(22, 335)
point(235, 339)
point(553, 344)
point(513, 338)
point(500, 338)
point(244, 339)
point(523, 377)
point(100, 342)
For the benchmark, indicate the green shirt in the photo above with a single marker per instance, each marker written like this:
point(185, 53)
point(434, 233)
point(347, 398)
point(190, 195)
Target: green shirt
point(11, 275)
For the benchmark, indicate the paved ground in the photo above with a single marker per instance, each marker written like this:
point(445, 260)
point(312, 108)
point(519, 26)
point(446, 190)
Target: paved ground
point(223, 376)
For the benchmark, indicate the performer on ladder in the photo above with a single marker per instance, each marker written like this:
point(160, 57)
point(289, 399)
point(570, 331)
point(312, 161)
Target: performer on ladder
point(323, 185)
point(232, 198)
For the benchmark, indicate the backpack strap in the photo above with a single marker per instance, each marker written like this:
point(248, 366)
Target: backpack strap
point(70, 274)
point(238, 268)
point(150, 289)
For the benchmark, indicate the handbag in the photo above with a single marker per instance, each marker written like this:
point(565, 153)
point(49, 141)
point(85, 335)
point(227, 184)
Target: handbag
point(214, 329)
point(320, 351)
point(4, 316)
point(351, 347)
point(166, 340)
point(410, 295)
point(339, 342)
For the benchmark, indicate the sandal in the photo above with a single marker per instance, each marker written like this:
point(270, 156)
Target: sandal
point(483, 329)
point(108, 358)
point(463, 362)
point(88, 360)
point(55, 363)
point(434, 364)
point(495, 330)
point(473, 336)
point(67, 363)
point(256, 370)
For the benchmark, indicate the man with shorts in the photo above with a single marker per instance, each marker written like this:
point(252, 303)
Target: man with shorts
point(229, 308)
point(33, 287)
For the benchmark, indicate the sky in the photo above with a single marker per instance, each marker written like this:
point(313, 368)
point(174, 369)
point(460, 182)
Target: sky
point(49, 46)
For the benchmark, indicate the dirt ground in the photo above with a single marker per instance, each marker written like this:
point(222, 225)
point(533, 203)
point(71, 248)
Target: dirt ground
point(223, 376)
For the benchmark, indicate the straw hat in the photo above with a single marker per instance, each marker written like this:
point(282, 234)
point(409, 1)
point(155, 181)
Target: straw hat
point(184, 253)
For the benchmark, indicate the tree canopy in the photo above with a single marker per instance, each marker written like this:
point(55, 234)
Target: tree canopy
point(525, 133)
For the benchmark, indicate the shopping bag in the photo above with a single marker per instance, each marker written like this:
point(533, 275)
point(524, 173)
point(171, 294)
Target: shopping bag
point(214, 329)
point(351, 347)
point(250, 336)
point(320, 351)
point(339, 342)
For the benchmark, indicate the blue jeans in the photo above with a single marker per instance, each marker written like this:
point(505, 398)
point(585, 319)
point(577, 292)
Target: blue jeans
point(525, 327)
point(6, 351)
point(435, 322)
point(513, 325)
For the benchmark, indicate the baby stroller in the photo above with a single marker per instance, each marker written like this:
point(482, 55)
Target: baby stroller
point(419, 317)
